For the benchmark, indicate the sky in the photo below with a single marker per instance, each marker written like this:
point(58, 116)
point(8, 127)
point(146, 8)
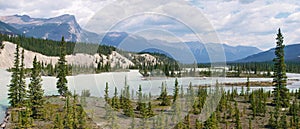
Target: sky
point(236, 22)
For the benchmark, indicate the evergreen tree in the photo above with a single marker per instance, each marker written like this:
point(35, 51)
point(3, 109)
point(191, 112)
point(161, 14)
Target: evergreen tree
point(61, 84)
point(237, 117)
point(283, 122)
point(140, 103)
point(115, 101)
point(35, 92)
point(14, 82)
point(150, 112)
point(242, 91)
point(68, 113)
point(176, 90)
point(127, 107)
point(211, 122)
point(22, 85)
point(25, 118)
point(165, 101)
point(106, 93)
point(58, 123)
point(280, 78)
point(248, 86)
point(17, 88)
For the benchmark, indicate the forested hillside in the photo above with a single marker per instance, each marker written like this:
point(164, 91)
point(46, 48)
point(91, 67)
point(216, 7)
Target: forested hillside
point(51, 48)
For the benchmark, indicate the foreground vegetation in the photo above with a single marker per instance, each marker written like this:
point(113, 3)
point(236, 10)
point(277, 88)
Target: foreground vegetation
point(245, 109)
point(29, 108)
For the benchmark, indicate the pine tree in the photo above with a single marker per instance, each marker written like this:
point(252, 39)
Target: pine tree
point(140, 104)
point(150, 112)
point(242, 91)
point(248, 86)
point(82, 118)
point(106, 93)
point(35, 92)
point(115, 101)
point(176, 90)
point(58, 123)
point(68, 115)
point(61, 84)
point(283, 122)
point(165, 101)
point(237, 116)
point(25, 118)
point(280, 78)
point(14, 82)
point(22, 86)
point(127, 107)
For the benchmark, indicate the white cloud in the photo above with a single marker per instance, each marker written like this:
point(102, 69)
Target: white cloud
point(237, 22)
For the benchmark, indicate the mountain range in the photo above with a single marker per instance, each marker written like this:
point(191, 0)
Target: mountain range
point(291, 53)
point(7, 29)
point(186, 52)
point(51, 28)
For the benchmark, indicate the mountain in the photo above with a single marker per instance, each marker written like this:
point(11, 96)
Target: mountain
point(66, 25)
point(7, 29)
point(51, 28)
point(291, 53)
point(185, 52)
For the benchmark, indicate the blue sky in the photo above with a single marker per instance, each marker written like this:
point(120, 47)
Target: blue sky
point(237, 22)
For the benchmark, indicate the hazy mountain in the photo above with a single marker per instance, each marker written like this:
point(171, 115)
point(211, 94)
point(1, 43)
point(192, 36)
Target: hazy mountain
point(7, 29)
point(51, 28)
point(184, 52)
point(291, 53)
point(66, 25)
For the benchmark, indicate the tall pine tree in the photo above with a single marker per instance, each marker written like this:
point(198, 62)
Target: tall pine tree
point(280, 78)
point(35, 92)
point(14, 82)
point(17, 87)
point(22, 85)
point(176, 90)
point(61, 84)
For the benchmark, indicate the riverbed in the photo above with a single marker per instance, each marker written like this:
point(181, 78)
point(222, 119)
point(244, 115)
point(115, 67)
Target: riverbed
point(96, 83)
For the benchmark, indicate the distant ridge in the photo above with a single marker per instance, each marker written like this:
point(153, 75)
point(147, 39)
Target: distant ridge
point(51, 28)
point(291, 53)
point(7, 29)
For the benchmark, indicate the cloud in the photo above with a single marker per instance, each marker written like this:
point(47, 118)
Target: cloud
point(237, 22)
point(82, 9)
point(253, 23)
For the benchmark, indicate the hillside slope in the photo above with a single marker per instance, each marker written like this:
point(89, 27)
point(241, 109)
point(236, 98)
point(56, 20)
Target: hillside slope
point(7, 58)
point(291, 53)
point(7, 29)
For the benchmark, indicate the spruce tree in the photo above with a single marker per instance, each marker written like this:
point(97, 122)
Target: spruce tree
point(61, 84)
point(35, 92)
point(237, 117)
point(14, 82)
point(248, 86)
point(68, 118)
point(22, 85)
point(58, 122)
point(176, 90)
point(165, 101)
point(280, 78)
point(140, 99)
point(106, 93)
point(115, 102)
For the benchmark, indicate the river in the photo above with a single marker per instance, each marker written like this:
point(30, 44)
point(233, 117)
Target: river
point(96, 83)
